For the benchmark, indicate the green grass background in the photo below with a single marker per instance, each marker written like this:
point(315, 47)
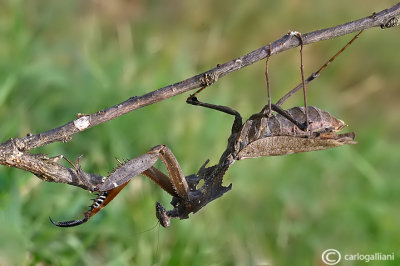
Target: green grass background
point(59, 58)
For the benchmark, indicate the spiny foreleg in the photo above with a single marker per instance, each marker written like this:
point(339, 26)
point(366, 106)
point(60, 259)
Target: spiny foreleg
point(176, 184)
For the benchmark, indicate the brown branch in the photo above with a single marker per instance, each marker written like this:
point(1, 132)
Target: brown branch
point(14, 152)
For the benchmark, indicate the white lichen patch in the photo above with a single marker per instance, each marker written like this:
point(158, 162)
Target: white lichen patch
point(82, 123)
point(294, 33)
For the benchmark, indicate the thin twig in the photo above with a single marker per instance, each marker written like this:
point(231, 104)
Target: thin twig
point(14, 152)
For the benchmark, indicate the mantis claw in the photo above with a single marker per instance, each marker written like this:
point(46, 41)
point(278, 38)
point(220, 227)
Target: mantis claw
point(69, 223)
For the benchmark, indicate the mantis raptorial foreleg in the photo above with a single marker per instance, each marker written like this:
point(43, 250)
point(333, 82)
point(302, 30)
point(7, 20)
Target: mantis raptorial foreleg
point(176, 185)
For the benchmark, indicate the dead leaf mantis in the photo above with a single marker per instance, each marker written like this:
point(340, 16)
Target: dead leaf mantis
point(299, 129)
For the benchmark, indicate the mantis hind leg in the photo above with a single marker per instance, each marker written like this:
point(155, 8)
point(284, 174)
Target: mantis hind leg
point(298, 34)
point(267, 110)
point(318, 72)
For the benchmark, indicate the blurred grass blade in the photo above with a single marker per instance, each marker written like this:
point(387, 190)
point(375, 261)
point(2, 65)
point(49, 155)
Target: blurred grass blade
point(6, 87)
